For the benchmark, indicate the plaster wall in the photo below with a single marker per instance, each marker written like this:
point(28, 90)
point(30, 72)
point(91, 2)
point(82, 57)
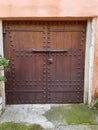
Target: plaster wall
point(95, 68)
point(48, 8)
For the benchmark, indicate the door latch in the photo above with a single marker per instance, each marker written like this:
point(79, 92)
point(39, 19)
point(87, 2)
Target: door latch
point(50, 60)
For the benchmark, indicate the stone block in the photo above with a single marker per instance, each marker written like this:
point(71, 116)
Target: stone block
point(0, 105)
point(1, 90)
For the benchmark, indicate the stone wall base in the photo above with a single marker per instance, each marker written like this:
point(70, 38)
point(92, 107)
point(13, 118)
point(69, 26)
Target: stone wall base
point(1, 106)
point(2, 97)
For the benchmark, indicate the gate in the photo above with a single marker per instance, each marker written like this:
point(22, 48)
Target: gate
point(46, 61)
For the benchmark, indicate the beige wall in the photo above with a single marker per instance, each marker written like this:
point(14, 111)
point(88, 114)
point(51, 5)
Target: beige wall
point(48, 8)
point(95, 72)
point(19, 9)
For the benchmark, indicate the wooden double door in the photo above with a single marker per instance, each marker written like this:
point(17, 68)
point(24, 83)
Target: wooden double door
point(46, 61)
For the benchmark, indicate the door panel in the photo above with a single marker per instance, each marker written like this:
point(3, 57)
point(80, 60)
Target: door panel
point(46, 61)
point(66, 71)
point(27, 80)
point(22, 37)
point(65, 97)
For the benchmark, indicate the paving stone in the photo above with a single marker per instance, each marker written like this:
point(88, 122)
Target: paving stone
point(34, 114)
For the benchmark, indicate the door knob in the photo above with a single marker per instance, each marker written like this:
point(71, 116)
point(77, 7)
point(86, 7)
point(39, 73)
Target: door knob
point(50, 60)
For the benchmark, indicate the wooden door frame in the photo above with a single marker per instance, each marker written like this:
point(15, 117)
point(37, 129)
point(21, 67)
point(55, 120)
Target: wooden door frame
point(89, 58)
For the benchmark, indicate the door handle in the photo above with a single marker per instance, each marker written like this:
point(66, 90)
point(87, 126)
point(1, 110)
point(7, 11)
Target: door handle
point(50, 60)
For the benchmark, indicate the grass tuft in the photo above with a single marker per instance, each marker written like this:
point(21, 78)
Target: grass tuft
point(19, 126)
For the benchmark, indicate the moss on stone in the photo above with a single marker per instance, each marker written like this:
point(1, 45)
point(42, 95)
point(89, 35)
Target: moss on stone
point(19, 126)
point(73, 114)
point(79, 114)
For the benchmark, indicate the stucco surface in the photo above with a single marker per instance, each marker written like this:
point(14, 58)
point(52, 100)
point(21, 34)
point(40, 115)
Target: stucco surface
point(48, 8)
point(95, 69)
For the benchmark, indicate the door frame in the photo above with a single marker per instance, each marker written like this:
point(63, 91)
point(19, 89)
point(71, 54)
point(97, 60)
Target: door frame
point(89, 60)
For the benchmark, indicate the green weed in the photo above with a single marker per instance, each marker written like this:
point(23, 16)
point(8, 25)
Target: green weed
point(19, 126)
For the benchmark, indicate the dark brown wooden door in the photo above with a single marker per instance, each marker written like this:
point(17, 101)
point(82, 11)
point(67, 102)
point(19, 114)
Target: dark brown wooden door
point(46, 61)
